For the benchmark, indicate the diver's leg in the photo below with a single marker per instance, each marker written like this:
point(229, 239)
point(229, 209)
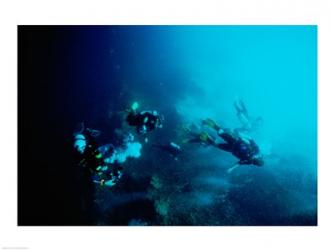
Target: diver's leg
point(237, 107)
point(210, 140)
point(227, 136)
point(193, 140)
point(242, 106)
point(203, 138)
point(212, 124)
point(244, 119)
point(224, 147)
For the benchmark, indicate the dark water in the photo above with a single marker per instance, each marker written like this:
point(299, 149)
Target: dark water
point(93, 73)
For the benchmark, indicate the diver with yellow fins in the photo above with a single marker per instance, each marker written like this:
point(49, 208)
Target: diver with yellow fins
point(242, 147)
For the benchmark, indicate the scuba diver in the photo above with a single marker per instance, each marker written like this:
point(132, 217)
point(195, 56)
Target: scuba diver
point(94, 157)
point(239, 145)
point(172, 148)
point(249, 124)
point(144, 121)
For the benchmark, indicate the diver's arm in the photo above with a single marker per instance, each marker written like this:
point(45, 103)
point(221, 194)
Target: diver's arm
point(93, 132)
point(79, 128)
point(245, 162)
point(233, 167)
point(238, 164)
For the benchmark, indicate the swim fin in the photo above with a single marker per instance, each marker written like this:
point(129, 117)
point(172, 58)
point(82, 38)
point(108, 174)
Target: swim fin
point(204, 136)
point(210, 123)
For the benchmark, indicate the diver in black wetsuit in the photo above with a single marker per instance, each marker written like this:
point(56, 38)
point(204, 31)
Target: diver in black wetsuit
point(244, 148)
point(144, 121)
point(93, 157)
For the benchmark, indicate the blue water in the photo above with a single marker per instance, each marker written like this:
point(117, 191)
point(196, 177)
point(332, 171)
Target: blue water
point(189, 73)
point(194, 72)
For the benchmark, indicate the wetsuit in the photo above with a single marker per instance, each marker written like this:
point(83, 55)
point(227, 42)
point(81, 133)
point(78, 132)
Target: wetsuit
point(93, 159)
point(144, 121)
point(243, 149)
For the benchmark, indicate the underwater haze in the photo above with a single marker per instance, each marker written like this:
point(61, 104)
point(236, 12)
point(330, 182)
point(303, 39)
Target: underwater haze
point(92, 74)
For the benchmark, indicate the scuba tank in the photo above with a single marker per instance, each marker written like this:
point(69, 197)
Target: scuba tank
point(80, 143)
